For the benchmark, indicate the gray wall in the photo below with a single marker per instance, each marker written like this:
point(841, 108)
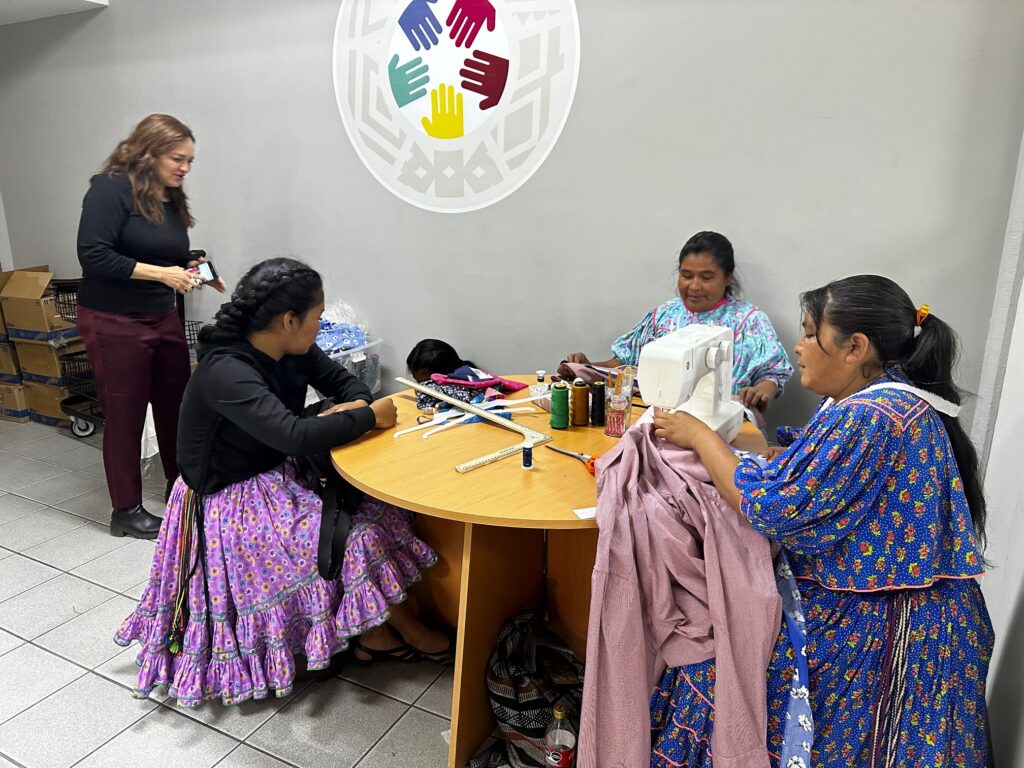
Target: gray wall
point(824, 138)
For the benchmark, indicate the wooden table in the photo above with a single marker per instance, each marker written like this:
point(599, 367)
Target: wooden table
point(488, 527)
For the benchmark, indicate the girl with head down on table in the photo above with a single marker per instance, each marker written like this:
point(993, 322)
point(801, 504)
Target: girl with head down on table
point(878, 504)
point(234, 594)
point(706, 288)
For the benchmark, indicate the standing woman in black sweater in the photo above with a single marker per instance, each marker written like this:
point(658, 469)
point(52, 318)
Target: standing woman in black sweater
point(134, 249)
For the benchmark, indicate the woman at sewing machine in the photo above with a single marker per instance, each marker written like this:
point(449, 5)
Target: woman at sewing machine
point(235, 592)
point(878, 504)
point(706, 288)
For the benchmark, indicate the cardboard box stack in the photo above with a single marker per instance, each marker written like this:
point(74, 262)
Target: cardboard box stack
point(34, 337)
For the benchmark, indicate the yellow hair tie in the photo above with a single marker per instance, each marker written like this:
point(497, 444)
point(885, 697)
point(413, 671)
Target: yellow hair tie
point(922, 312)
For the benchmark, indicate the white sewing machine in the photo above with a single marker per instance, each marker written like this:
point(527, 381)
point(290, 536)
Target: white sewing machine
point(690, 370)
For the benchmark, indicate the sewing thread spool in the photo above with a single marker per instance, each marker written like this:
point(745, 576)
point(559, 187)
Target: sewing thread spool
point(560, 405)
point(527, 456)
point(579, 406)
point(597, 403)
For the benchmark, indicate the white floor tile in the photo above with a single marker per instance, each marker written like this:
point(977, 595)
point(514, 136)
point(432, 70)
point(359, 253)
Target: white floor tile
point(9, 642)
point(162, 738)
point(45, 447)
point(123, 670)
point(331, 725)
point(20, 473)
point(40, 526)
point(89, 639)
point(49, 605)
point(62, 487)
point(414, 742)
point(28, 675)
point(245, 756)
point(241, 720)
point(406, 682)
point(94, 505)
point(18, 574)
point(65, 727)
point(14, 507)
point(438, 698)
point(136, 591)
point(78, 547)
point(122, 569)
point(81, 457)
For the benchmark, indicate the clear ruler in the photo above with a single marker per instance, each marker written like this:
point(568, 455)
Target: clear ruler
point(530, 436)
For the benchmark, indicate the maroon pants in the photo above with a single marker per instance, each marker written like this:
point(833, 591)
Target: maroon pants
point(138, 359)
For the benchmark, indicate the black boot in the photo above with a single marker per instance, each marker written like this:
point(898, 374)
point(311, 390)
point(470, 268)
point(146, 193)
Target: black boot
point(135, 522)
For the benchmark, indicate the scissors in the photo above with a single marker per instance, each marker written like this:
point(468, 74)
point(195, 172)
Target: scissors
point(586, 458)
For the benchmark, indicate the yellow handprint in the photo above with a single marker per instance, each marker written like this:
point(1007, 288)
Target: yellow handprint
point(445, 114)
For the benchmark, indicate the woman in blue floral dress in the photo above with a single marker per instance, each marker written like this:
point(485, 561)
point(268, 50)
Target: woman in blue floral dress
point(705, 284)
point(878, 505)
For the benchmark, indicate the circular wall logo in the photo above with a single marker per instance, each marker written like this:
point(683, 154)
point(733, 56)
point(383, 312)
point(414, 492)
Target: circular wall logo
point(453, 104)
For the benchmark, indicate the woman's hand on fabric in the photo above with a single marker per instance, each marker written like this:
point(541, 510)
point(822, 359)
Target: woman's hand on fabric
point(773, 452)
point(679, 428)
point(340, 407)
point(386, 413)
point(760, 395)
point(178, 279)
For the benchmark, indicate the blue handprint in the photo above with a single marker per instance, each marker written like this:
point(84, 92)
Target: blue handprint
point(420, 24)
point(407, 80)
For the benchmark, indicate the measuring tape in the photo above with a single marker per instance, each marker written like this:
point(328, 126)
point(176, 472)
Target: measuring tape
point(531, 436)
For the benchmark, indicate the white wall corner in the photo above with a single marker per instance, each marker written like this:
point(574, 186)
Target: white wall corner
point(1001, 321)
point(6, 257)
point(17, 11)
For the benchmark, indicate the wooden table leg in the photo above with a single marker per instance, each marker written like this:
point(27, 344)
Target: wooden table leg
point(437, 596)
point(502, 573)
point(571, 557)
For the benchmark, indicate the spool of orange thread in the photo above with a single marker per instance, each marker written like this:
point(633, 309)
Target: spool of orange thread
point(579, 404)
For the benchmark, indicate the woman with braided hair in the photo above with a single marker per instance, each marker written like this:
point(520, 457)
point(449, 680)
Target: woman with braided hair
point(234, 593)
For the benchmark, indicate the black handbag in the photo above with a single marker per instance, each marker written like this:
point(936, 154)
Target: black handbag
point(340, 502)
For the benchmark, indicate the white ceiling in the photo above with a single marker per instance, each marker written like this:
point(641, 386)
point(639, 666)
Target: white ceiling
point(13, 11)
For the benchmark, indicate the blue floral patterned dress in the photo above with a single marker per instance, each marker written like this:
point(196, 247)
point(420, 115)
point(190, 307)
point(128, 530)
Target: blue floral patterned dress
point(758, 355)
point(869, 505)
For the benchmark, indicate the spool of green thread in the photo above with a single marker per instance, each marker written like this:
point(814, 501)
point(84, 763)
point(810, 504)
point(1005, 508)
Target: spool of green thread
point(560, 405)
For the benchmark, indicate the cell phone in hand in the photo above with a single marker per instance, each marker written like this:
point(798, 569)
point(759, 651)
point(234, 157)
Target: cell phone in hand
point(206, 271)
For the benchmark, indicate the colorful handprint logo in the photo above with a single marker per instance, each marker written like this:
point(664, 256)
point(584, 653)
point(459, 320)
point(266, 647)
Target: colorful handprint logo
point(453, 104)
point(466, 57)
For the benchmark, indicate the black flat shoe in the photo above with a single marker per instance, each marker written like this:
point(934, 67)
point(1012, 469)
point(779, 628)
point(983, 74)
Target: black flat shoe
point(135, 522)
point(403, 653)
point(441, 657)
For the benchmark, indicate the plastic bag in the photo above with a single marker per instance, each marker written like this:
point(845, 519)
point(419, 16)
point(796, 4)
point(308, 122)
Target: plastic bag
point(340, 328)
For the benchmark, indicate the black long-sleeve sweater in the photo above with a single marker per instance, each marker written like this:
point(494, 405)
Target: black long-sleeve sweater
point(112, 237)
point(241, 414)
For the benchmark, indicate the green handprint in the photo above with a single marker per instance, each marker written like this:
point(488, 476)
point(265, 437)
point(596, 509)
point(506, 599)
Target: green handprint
point(445, 114)
point(407, 81)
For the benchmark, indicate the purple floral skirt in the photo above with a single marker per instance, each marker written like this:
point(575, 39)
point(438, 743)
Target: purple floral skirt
point(259, 600)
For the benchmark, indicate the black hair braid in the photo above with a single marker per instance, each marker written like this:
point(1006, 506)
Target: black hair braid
point(269, 289)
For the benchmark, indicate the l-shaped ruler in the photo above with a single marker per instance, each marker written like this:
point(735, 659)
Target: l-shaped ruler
point(530, 436)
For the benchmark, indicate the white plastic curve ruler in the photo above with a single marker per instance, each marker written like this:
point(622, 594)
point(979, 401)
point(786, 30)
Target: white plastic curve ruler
point(530, 436)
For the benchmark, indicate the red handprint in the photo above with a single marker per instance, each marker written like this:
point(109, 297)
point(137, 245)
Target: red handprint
point(486, 75)
point(466, 19)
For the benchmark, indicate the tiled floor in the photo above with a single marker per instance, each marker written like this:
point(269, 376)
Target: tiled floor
point(65, 688)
